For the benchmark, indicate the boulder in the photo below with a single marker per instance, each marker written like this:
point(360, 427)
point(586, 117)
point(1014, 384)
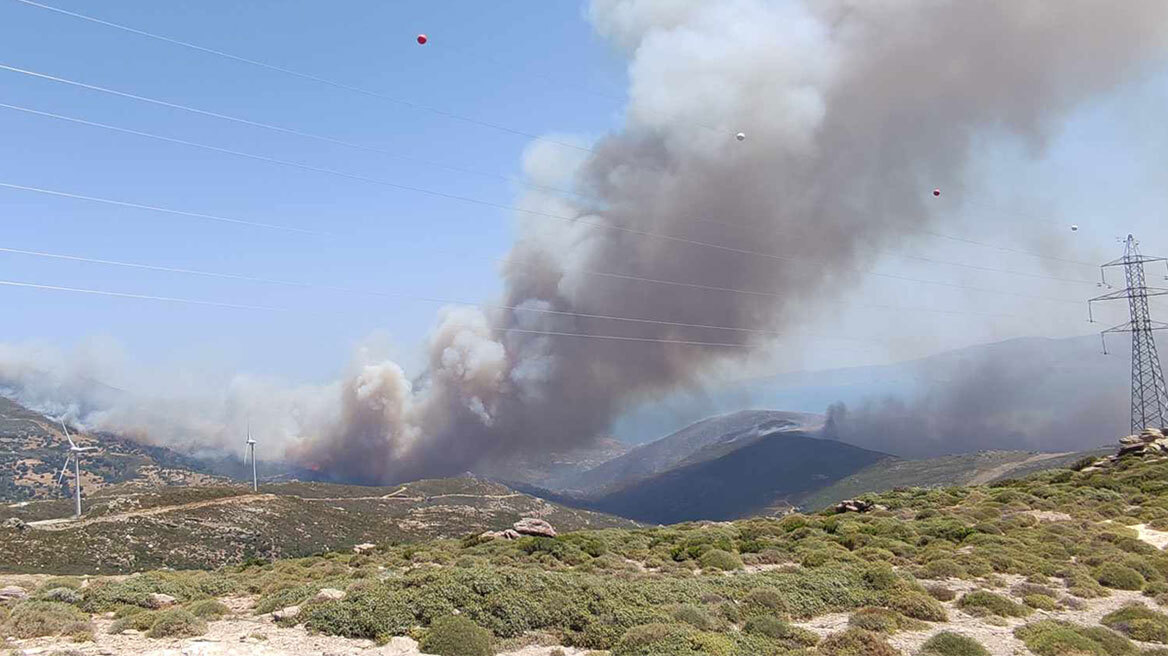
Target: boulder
point(159, 600)
point(533, 526)
point(15, 524)
point(329, 594)
point(508, 534)
point(1131, 439)
point(362, 548)
point(13, 593)
point(857, 506)
point(288, 613)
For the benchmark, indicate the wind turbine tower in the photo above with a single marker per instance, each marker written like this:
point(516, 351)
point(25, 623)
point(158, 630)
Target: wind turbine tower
point(74, 455)
point(250, 451)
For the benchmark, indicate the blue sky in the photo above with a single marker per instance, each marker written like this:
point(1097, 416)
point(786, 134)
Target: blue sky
point(535, 66)
point(495, 62)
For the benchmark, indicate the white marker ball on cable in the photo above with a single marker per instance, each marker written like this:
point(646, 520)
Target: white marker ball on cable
point(1074, 228)
point(741, 136)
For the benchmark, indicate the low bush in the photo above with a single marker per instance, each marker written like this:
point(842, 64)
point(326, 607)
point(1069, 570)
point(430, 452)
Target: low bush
point(455, 635)
point(695, 616)
point(34, 619)
point(720, 560)
point(854, 642)
point(1119, 577)
point(918, 607)
point(983, 602)
point(772, 627)
point(1055, 638)
point(208, 609)
point(1139, 622)
point(883, 620)
point(940, 592)
point(1040, 602)
point(947, 643)
point(61, 594)
point(176, 623)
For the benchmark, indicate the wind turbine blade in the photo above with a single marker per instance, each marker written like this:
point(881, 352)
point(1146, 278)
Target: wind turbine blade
point(67, 436)
point(64, 469)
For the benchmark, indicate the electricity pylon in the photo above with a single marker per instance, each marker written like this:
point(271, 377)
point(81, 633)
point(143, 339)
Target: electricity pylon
point(1149, 396)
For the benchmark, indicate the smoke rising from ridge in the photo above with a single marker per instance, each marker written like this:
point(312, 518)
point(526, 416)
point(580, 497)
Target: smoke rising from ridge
point(853, 110)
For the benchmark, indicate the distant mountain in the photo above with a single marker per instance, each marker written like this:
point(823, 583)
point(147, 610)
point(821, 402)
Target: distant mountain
point(553, 470)
point(1030, 394)
point(707, 439)
point(32, 451)
point(738, 477)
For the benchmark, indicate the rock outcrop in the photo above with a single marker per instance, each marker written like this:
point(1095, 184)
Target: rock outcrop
point(533, 526)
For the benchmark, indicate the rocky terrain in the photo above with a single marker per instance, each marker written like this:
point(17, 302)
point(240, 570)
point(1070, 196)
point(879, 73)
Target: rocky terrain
point(32, 451)
point(1065, 562)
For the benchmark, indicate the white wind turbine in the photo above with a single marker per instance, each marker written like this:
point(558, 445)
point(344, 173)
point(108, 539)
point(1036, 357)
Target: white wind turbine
point(250, 450)
point(74, 455)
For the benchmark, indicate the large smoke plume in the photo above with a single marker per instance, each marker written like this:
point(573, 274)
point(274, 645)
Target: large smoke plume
point(852, 108)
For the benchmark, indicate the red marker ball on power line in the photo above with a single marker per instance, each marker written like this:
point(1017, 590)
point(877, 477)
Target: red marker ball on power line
point(422, 39)
point(936, 192)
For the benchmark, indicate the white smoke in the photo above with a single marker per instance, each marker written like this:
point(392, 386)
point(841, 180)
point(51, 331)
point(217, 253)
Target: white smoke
point(852, 109)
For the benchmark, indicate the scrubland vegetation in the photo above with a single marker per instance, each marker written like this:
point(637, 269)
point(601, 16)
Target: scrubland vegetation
point(726, 589)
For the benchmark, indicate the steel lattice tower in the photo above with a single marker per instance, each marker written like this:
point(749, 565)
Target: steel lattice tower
point(1149, 396)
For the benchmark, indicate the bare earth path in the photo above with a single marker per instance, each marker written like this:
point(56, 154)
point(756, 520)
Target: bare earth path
point(60, 524)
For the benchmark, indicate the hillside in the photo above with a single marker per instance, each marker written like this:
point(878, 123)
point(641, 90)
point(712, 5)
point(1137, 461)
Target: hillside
point(729, 480)
point(127, 529)
point(32, 451)
point(685, 446)
point(965, 469)
point(1063, 562)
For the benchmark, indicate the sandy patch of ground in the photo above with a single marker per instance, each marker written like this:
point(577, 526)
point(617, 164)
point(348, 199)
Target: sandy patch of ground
point(236, 636)
point(1158, 539)
point(999, 640)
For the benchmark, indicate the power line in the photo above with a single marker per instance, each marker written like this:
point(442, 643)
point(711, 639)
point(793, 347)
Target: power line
point(283, 130)
point(351, 290)
point(143, 297)
point(475, 201)
point(165, 210)
point(590, 272)
point(170, 299)
point(506, 178)
point(306, 76)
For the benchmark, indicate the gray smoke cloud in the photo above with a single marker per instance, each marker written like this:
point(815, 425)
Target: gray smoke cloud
point(853, 109)
point(1022, 395)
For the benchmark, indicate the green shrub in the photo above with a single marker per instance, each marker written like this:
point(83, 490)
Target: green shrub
point(883, 620)
point(141, 621)
point(985, 602)
point(176, 623)
point(208, 609)
point(376, 614)
point(34, 619)
point(1055, 638)
point(695, 616)
point(940, 592)
point(61, 594)
point(952, 644)
point(943, 569)
point(773, 627)
point(1139, 622)
point(455, 635)
point(855, 642)
point(658, 640)
point(918, 607)
point(765, 599)
point(1040, 601)
point(721, 560)
point(1119, 577)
